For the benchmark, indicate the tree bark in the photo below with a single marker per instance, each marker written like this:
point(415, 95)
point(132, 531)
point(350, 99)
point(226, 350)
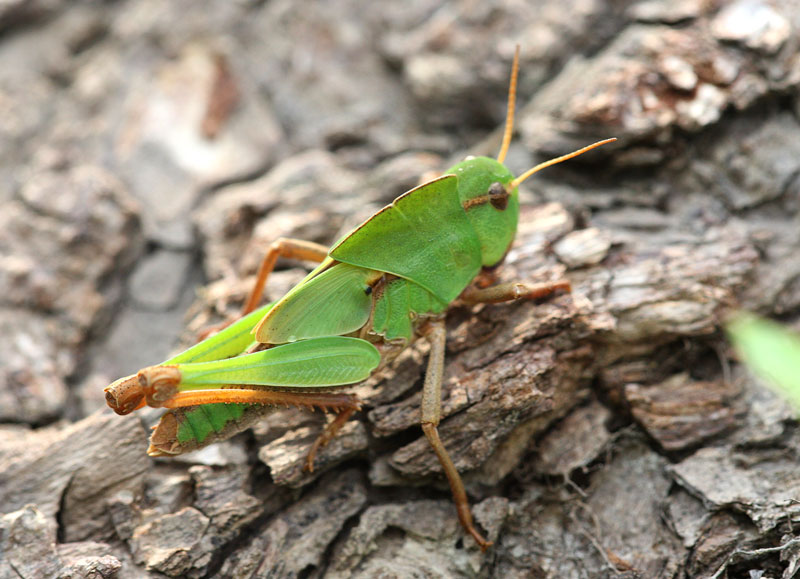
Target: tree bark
point(605, 432)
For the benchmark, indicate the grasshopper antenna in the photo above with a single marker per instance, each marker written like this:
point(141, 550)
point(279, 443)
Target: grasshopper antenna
point(557, 160)
point(512, 99)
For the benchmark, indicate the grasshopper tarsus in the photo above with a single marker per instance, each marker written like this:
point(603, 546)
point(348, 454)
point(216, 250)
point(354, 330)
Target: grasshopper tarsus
point(456, 485)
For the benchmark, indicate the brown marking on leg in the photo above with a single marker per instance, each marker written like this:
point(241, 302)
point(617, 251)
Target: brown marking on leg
point(125, 395)
point(164, 439)
point(487, 277)
point(345, 405)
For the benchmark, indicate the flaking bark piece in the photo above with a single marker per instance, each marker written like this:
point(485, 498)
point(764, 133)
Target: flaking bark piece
point(172, 543)
point(625, 505)
point(669, 290)
point(583, 247)
point(27, 544)
point(388, 537)
point(88, 560)
point(648, 83)
point(28, 548)
point(762, 483)
point(73, 472)
point(286, 456)
point(575, 441)
point(69, 232)
point(681, 413)
point(514, 389)
point(298, 538)
point(719, 538)
point(220, 495)
point(613, 529)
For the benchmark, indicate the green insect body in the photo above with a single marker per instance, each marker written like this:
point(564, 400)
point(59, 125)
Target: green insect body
point(427, 236)
point(237, 338)
point(399, 307)
point(221, 361)
point(306, 312)
point(418, 286)
point(406, 239)
point(383, 284)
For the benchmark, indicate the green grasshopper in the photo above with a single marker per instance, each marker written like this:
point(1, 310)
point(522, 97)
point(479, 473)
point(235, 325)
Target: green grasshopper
point(378, 288)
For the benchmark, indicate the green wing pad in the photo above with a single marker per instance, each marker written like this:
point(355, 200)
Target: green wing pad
point(197, 423)
point(423, 236)
point(316, 362)
point(337, 301)
point(398, 305)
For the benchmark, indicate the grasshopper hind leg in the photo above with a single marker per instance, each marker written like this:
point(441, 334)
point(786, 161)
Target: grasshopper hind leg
point(281, 247)
point(201, 417)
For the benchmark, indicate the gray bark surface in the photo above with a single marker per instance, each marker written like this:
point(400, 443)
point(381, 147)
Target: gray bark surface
point(152, 151)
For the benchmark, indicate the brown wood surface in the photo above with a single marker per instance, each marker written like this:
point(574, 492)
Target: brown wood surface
point(609, 432)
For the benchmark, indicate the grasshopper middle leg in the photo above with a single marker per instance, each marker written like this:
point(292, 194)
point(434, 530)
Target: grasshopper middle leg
point(431, 414)
point(506, 292)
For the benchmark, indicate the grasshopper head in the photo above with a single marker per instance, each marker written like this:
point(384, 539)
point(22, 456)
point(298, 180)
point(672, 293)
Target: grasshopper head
point(489, 191)
point(490, 202)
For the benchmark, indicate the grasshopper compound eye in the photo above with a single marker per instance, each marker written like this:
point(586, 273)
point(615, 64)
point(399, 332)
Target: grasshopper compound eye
point(498, 196)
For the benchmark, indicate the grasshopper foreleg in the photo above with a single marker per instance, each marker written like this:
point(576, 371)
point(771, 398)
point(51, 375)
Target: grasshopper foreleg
point(431, 414)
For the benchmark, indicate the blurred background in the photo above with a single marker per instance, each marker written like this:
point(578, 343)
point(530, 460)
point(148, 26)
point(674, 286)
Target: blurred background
point(150, 152)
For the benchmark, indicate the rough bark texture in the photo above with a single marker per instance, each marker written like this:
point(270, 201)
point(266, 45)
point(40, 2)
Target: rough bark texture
point(150, 153)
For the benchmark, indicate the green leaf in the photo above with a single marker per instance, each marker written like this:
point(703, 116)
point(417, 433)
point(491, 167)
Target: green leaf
point(770, 350)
